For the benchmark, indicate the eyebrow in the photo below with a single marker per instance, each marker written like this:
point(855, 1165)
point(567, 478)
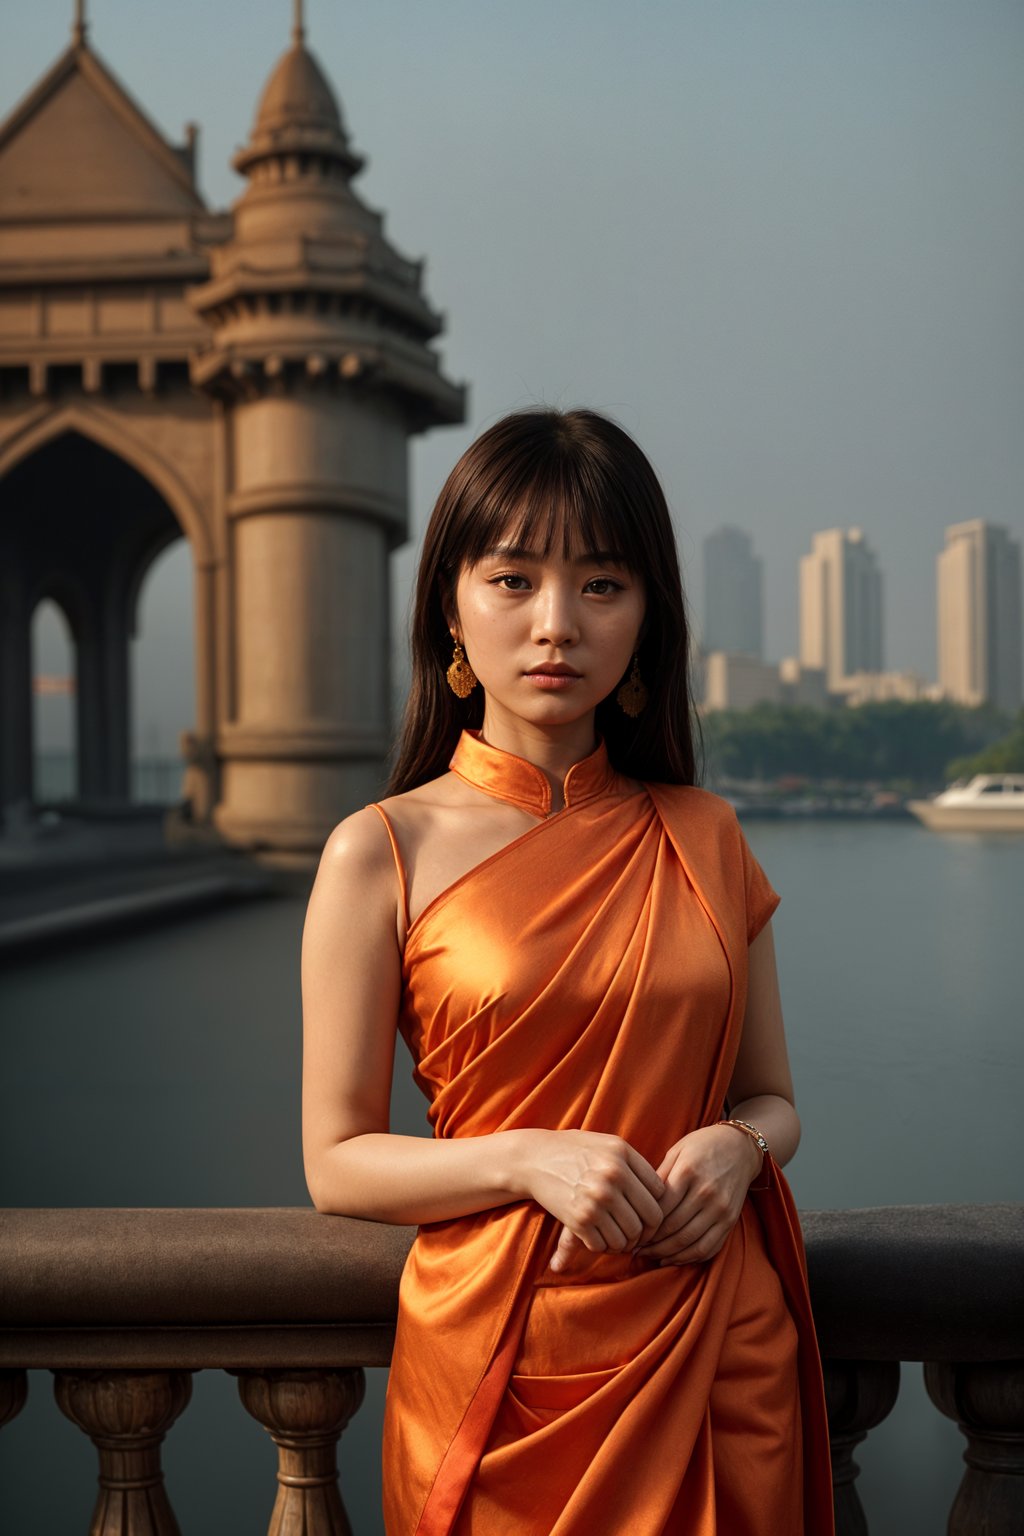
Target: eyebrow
point(523, 552)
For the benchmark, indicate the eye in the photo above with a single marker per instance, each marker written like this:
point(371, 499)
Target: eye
point(603, 586)
point(510, 581)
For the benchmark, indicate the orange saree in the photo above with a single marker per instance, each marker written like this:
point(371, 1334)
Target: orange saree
point(592, 974)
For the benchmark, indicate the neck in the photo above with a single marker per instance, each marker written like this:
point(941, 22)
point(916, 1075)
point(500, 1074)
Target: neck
point(553, 749)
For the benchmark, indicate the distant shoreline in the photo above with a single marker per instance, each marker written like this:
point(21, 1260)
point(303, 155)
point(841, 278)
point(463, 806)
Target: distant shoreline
point(799, 810)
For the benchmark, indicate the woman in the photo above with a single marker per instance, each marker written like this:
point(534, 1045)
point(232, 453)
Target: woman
point(598, 1331)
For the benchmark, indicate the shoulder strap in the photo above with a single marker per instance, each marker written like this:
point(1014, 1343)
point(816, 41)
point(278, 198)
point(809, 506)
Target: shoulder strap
point(403, 885)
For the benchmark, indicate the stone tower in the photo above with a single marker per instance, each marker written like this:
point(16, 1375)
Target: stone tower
point(320, 369)
point(249, 380)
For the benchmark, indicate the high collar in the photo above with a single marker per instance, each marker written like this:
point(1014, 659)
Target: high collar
point(522, 783)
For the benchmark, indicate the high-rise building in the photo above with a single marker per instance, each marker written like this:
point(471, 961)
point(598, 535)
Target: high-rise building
point(733, 614)
point(733, 680)
point(841, 606)
point(980, 615)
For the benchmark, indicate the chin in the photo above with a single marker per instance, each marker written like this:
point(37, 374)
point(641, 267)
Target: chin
point(555, 711)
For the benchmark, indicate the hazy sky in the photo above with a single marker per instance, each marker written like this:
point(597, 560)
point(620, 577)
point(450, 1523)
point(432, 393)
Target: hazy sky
point(781, 242)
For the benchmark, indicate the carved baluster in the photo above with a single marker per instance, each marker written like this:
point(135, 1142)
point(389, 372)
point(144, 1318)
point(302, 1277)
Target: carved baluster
point(126, 1415)
point(13, 1392)
point(987, 1401)
point(305, 1412)
point(859, 1394)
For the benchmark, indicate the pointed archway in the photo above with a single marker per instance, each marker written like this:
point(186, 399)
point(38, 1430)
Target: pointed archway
point(82, 525)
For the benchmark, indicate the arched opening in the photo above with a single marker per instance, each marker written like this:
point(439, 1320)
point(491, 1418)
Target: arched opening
point(163, 698)
point(54, 705)
point(82, 527)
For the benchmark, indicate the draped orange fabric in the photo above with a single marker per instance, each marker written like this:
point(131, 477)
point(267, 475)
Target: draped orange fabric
point(592, 974)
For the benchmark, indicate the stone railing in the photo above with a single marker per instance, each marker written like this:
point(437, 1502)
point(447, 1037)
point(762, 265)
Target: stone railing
point(123, 1305)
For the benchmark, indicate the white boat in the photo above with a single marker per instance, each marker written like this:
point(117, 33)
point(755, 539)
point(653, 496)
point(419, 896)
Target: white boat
point(990, 802)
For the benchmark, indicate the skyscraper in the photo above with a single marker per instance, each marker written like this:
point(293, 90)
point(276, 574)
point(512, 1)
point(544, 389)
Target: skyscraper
point(980, 615)
point(841, 606)
point(733, 614)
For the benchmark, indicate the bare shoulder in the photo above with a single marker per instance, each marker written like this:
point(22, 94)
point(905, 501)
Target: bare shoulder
point(355, 893)
point(357, 849)
point(418, 811)
point(357, 856)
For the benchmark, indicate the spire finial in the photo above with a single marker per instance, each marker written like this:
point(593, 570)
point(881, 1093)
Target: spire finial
point(298, 26)
point(80, 26)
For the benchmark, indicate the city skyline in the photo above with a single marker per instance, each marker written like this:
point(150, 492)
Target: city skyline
point(979, 646)
point(763, 260)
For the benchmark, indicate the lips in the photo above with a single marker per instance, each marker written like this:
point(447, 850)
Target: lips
point(554, 677)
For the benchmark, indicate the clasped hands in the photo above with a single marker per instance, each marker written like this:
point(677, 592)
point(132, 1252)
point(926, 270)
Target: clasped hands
point(610, 1199)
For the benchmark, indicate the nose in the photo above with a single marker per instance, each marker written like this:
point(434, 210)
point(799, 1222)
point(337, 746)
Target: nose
point(555, 621)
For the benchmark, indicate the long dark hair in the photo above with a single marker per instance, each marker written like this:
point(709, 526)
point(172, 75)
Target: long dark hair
point(576, 475)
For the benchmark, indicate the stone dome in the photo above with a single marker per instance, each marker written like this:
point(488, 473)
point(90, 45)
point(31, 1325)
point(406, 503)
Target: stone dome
point(298, 112)
point(297, 93)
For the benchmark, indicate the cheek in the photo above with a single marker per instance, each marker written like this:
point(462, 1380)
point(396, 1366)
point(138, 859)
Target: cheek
point(466, 616)
point(478, 612)
point(487, 623)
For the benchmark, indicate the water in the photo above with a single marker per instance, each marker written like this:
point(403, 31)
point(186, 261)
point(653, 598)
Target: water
point(899, 964)
point(154, 780)
point(164, 1070)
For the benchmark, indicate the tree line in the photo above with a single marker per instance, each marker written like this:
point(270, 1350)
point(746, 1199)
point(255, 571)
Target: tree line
point(917, 746)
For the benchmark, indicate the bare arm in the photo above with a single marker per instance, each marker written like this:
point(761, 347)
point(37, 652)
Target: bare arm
point(761, 1089)
point(351, 986)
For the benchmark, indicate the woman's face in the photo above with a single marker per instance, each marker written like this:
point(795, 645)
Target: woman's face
point(548, 637)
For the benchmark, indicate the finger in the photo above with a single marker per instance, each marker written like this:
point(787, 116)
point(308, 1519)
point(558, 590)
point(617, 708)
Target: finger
point(674, 1243)
point(699, 1202)
point(696, 1213)
point(626, 1228)
point(620, 1206)
point(677, 1193)
point(700, 1252)
point(644, 1222)
point(645, 1205)
point(644, 1248)
point(652, 1181)
point(693, 1245)
point(603, 1214)
point(566, 1248)
point(604, 1234)
point(671, 1224)
point(677, 1208)
point(612, 1230)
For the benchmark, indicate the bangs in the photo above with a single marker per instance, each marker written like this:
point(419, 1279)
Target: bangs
point(546, 503)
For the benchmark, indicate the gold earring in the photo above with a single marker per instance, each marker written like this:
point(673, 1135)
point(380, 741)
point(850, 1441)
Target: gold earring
point(461, 677)
point(632, 696)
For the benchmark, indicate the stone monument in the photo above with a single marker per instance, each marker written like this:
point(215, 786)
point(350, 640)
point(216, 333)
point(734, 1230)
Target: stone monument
point(247, 379)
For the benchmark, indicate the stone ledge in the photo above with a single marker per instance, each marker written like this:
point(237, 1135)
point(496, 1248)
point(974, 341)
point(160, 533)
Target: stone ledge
point(146, 1268)
point(918, 1282)
point(162, 1287)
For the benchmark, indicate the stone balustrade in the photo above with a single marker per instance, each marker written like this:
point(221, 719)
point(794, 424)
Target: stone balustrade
point(123, 1305)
